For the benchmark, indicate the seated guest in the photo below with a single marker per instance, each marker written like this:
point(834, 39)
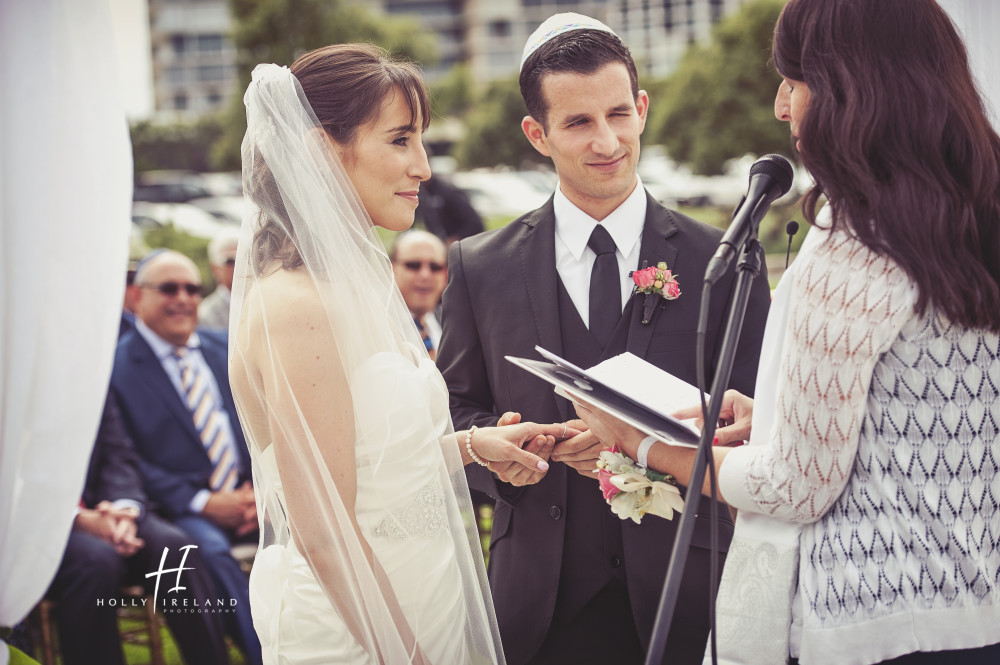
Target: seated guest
point(419, 261)
point(116, 541)
point(172, 386)
point(213, 312)
point(128, 301)
point(868, 527)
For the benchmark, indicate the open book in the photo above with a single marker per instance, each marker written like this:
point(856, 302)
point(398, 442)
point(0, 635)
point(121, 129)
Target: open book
point(625, 386)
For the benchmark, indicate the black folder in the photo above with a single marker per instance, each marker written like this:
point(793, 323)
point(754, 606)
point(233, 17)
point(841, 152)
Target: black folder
point(575, 384)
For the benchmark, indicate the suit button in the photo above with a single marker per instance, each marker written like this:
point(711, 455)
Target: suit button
point(555, 512)
point(616, 562)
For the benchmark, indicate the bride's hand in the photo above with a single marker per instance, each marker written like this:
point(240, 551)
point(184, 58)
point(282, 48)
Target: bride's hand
point(509, 447)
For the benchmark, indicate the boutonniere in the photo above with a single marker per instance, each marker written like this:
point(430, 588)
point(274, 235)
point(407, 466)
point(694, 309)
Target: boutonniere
point(633, 491)
point(658, 282)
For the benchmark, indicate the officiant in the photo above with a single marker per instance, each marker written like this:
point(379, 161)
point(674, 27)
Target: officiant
point(874, 435)
point(571, 582)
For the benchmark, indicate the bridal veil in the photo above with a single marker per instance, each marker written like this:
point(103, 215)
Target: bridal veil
point(366, 521)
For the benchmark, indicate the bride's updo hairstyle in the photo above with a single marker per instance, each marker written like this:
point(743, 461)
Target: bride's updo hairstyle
point(347, 86)
point(897, 139)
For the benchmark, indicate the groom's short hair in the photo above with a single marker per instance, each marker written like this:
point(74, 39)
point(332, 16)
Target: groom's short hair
point(576, 51)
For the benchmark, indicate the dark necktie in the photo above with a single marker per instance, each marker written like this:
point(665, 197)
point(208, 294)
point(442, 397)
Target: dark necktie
point(605, 287)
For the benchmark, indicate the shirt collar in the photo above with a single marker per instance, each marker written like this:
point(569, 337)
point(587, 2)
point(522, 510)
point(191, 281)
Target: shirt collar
point(161, 347)
point(624, 224)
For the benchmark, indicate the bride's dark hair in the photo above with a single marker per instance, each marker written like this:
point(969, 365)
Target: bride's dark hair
point(347, 86)
point(897, 139)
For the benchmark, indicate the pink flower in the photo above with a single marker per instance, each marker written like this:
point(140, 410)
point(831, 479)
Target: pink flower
point(644, 278)
point(607, 489)
point(671, 290)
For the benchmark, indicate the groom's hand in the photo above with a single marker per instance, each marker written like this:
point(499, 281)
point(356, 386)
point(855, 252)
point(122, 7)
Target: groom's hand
point(581, 451)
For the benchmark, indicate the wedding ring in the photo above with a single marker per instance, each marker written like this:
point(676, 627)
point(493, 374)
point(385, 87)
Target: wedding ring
point(563, 435)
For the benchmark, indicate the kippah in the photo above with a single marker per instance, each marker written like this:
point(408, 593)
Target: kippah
point(557, 25)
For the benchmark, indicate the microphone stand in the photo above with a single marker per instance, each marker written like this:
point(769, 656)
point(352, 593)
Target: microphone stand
point(747, 269)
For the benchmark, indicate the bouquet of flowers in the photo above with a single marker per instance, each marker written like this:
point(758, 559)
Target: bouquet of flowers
point(633, 491)
point(655, 281)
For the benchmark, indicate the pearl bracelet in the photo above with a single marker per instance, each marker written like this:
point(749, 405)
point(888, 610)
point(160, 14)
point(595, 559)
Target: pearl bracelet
point(468, 447)
point(643, 452)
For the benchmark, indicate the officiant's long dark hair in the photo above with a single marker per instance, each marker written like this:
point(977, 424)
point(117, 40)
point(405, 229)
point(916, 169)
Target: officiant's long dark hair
point(897, 138)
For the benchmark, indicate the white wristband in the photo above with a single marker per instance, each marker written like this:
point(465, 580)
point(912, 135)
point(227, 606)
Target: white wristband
point(643, 451)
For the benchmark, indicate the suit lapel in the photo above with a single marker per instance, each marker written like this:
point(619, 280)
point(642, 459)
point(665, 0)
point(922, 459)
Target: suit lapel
point(156, 379)
point(536, 250)
point(537, 256)
point(659, 243)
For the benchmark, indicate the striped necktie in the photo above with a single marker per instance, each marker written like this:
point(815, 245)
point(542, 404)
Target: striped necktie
point(209, 422)
point(426, 337)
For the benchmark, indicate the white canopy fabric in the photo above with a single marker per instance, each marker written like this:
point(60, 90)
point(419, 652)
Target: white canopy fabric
point(979, 22)
point(65, 196)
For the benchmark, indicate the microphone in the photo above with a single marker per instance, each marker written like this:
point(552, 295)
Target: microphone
point(791, 228)
point(770, 179)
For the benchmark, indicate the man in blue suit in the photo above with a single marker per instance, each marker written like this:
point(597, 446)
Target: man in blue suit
point(171, 384)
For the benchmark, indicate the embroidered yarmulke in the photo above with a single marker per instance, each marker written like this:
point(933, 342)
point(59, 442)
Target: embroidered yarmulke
point(557, 25)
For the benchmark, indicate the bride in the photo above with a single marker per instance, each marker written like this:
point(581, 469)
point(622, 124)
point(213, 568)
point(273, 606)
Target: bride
point(369, 551)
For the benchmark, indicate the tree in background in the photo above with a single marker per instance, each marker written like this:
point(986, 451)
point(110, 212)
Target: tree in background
point(719, 103)
point(279, 31)
point(494, 135)
point(452, 95)
point(175, 146)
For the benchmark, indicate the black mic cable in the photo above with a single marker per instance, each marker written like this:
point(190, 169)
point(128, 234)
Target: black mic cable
point(791, 228)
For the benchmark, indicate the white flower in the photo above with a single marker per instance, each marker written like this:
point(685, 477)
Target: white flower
point(645, 496)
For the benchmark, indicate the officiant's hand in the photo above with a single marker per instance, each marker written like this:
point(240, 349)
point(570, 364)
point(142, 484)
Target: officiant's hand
point(581, 451)
point(610, 430)
point(735, 416)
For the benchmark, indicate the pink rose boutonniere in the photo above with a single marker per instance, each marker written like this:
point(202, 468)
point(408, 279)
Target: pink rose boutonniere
point(658, 282)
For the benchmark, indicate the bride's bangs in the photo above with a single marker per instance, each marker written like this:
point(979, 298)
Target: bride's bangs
point(407, 79)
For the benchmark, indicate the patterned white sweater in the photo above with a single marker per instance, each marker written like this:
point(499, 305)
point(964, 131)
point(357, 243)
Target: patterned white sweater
point(886, 445)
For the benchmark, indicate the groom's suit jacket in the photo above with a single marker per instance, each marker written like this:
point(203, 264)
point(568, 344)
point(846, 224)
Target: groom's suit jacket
point(503, 298)
point(172, 459)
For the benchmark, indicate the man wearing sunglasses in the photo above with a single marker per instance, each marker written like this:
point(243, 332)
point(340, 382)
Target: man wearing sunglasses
point(171, 384)
point(419, 265)
point(213, 312)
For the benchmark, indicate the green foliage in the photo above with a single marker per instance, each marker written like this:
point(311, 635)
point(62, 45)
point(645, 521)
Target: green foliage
point(175, 146)
point(193, 247)
point(279, 31)
point(719, 103)
point(452, 95)
point(494, 135)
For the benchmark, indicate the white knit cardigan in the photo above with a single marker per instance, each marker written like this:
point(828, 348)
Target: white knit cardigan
point(884, 445)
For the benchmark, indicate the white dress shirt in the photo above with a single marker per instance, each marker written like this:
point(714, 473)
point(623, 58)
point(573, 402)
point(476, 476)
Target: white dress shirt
point(575, 260)
point(164, 352)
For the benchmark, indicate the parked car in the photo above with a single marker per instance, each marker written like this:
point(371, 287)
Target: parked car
point(184, 216)
point(503, 193)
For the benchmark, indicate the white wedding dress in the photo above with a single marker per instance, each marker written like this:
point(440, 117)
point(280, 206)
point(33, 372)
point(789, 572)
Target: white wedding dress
point(369, 551)
point(401, 510)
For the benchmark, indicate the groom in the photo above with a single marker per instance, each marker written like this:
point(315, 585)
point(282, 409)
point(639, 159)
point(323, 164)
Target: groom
point(571, 582)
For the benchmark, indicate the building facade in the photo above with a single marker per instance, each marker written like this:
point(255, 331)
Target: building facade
point(488, 35)
point(194, 60)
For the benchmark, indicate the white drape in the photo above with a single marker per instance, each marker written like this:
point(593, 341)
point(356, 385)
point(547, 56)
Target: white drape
point(979, 21)
point(65, 195)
